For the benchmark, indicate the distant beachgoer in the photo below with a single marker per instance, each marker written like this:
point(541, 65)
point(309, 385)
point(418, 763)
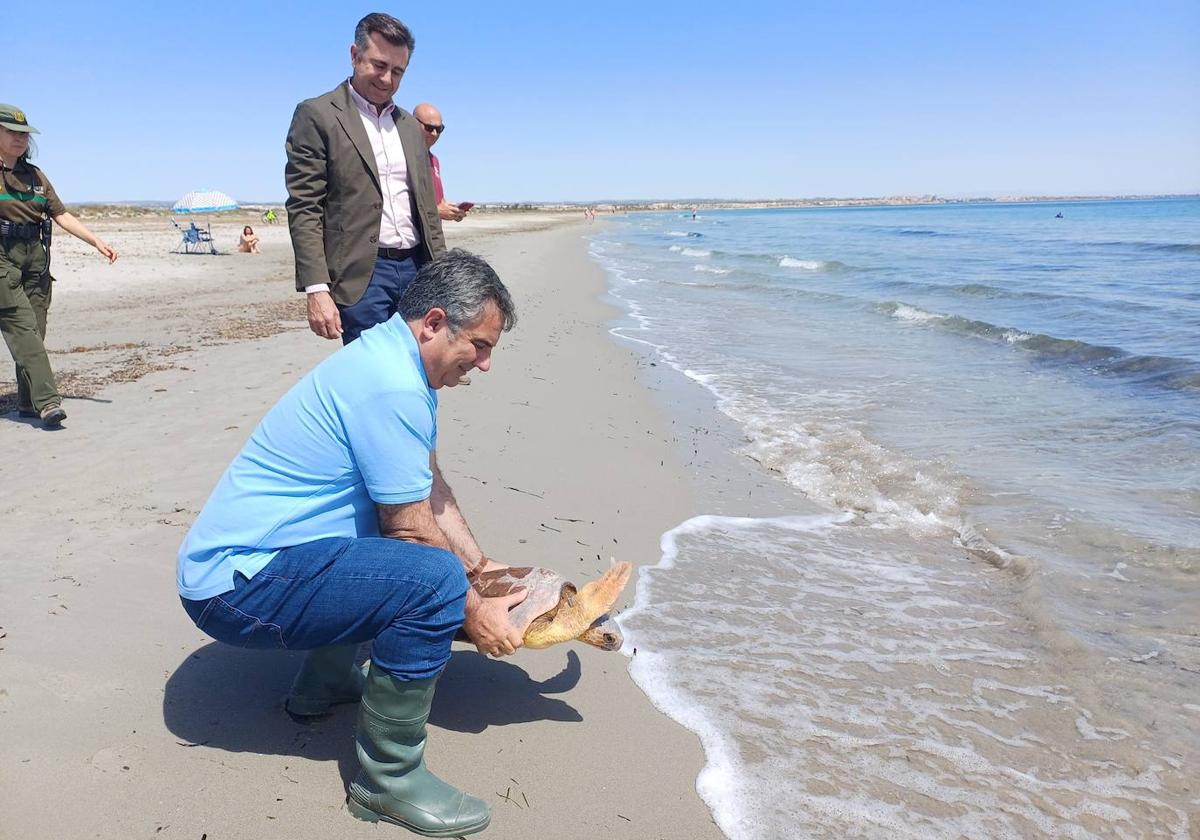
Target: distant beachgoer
point(248, 244)
point(386, 219)
point(269, 216)
point(1058, 215)
point(431, 122)
point(28, 203)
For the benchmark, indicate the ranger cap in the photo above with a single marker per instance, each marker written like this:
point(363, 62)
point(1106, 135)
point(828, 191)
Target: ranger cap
point(13, 118)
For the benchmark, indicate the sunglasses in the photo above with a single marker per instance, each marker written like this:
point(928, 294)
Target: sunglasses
point(436, 129)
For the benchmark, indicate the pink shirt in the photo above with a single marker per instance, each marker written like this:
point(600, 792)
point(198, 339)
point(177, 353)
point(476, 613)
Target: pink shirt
point(437, 178)
point(396, 228)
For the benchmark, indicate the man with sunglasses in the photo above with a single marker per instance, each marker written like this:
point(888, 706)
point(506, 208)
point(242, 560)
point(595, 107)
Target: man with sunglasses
point(430, 119)
point(362, 212)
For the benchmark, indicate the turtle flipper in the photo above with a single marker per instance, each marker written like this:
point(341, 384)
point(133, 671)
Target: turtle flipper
point(597, 598)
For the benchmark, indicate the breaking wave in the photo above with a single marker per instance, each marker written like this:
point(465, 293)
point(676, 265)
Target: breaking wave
point(1162, 247)
point(1161, 371)
point(809, 265)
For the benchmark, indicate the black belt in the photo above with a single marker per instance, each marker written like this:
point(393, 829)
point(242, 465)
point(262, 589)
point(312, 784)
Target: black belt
point(397, 253)
point(17, 230)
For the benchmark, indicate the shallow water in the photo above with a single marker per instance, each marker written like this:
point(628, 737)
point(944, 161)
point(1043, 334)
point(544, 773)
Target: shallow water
point(995, 628)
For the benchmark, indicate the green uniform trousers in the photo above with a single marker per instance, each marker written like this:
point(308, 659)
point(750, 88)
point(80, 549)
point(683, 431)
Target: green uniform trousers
point(24, 304)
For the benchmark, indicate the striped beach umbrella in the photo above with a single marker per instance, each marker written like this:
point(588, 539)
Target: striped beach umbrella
point(204, 201)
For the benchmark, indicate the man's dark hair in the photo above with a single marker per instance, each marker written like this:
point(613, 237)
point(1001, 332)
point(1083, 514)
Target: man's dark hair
point(392, 31)
point(461, 284)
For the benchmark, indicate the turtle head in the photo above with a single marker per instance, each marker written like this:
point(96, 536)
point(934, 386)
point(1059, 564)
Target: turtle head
point(603, 634)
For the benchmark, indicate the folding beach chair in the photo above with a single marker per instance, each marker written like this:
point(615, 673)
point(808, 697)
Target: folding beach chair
point(194, 240)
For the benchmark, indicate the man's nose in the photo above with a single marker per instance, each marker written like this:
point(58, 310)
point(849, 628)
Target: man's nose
point(483, 361)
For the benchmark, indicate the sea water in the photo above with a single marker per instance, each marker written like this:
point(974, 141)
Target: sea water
point(976, 611)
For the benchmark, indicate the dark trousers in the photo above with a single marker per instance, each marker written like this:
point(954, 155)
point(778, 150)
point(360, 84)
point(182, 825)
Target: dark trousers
point(378, 303)
point(24, 305)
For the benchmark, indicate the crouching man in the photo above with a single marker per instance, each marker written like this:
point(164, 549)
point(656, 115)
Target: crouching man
point(333, 526)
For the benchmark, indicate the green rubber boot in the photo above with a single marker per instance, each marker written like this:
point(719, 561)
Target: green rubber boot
point(327, 678)
point(394, 785)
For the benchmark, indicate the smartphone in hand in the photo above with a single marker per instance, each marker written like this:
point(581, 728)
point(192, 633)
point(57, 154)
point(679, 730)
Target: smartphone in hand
point(465, 205)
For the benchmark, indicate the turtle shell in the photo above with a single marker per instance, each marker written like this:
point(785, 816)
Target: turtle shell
point(548, 593)
point(547, 590)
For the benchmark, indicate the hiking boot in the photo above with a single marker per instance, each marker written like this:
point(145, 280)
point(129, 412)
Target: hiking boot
point(52, 415)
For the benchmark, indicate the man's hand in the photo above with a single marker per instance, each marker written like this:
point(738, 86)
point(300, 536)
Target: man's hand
point(487, 623)
point(450, 212)
point(323, 316)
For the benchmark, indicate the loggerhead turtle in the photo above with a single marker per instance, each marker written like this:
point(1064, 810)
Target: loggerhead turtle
point(555, 609)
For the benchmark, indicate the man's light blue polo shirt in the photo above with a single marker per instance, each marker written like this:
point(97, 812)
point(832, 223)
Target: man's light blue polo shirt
point(358, 429)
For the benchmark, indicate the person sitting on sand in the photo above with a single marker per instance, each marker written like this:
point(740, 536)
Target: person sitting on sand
point(248, 244)
point(334, 526)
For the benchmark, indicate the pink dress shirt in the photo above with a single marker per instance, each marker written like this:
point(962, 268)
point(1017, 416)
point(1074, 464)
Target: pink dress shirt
point(396, 228)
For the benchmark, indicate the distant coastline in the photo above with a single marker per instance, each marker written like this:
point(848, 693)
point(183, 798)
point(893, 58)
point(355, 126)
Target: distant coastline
point(116, 209)
point(876, 201)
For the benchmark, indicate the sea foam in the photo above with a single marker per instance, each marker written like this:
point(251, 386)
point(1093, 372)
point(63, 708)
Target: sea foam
point(888, 662)
point(805, 265)
point(843, 685)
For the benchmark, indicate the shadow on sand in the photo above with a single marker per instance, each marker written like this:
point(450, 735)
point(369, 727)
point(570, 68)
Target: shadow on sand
point(232, 699)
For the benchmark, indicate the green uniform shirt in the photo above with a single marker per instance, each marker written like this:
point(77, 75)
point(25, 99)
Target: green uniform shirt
point(26, 195)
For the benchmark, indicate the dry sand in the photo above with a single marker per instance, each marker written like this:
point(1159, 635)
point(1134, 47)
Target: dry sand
point(118, 719)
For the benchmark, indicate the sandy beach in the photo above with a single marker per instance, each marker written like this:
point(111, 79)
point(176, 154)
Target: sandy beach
point(120, 720)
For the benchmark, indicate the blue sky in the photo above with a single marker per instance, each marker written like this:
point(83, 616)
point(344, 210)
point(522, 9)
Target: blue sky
point(619, 100)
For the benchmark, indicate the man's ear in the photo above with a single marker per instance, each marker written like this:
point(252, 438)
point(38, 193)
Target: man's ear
point(434, 321)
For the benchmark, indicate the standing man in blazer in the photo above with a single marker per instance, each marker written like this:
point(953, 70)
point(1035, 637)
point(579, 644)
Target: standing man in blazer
point(361, 207)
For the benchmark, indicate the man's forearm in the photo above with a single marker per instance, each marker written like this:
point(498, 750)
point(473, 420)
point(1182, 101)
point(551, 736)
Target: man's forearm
point(452, 523)
point(412, 523)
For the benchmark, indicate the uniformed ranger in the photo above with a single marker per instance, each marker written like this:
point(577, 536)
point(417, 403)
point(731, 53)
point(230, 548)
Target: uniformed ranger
point(28, 204)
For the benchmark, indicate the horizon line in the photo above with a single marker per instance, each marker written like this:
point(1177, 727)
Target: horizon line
point(925, 198)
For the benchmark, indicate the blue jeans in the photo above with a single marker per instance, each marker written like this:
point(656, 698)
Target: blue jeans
point(378, 303)
point(408, 598)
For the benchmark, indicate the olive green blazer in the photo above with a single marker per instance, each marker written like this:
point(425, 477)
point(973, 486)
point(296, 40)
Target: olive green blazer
point(334, 200)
